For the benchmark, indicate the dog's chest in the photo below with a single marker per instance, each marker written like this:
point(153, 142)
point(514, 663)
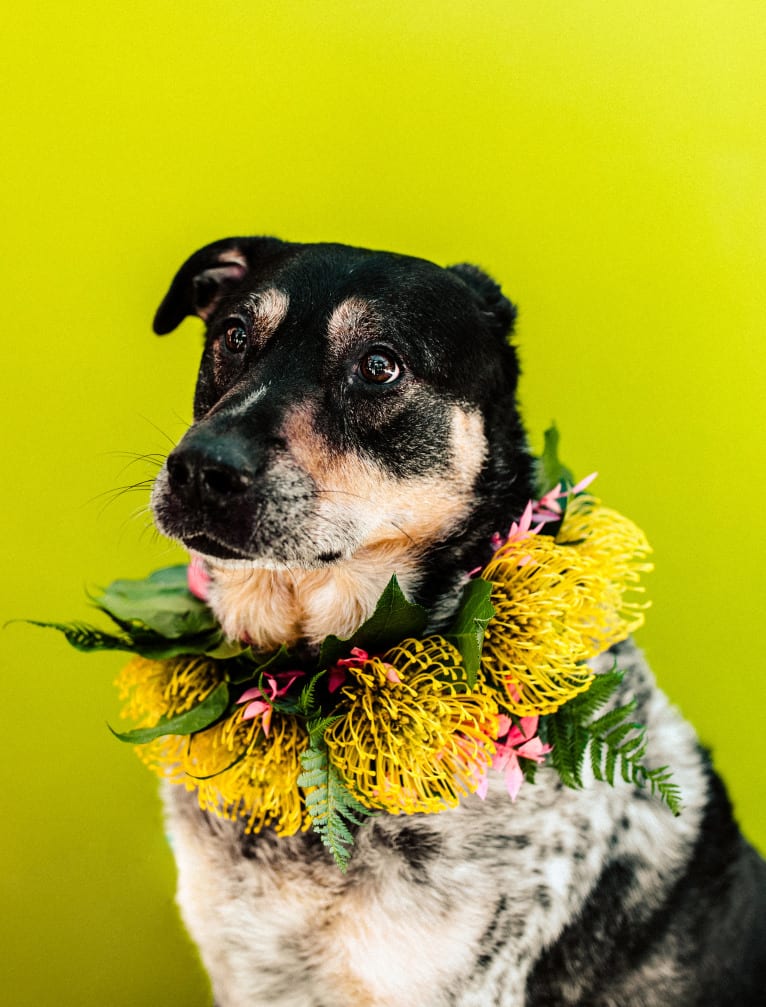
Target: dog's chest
point(452, 909)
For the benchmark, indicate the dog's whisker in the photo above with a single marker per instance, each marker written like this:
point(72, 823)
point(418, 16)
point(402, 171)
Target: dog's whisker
point(154, 459)
point(159, 429)
point(142, 486)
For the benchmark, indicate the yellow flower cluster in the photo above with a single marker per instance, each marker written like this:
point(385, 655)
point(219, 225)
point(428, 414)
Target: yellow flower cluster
point(559, 602)
point(236, 771)
point(411, 736)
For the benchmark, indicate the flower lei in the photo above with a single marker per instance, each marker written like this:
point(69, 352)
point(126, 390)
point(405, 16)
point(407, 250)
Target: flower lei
point(389, 720)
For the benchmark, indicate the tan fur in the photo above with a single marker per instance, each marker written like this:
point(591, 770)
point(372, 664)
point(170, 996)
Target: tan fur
point(269, 310)
point(273, 606)
point(352, 321)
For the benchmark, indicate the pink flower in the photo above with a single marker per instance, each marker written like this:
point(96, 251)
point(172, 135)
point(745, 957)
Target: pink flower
point(520, 741)
point(338, 675)
point(474, 762)
point(197, 577)
point(548, 507)
point(260, 705)
point(520, 531)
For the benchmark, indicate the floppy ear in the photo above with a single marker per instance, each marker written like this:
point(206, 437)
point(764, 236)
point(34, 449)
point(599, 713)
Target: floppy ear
point(206, 276)
point(500, 312)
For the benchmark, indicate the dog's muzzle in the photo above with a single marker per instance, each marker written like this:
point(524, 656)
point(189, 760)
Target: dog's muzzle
point(232, 496)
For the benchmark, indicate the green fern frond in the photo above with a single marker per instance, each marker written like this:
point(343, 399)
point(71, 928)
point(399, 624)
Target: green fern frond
point(659, 782)
point(613, 742)
point(317, 727)
point(81, 636)
point(587, 704)
point(331, 806)
point(306, 705)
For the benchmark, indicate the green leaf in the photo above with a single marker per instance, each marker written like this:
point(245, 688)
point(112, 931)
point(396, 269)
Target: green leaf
point(331, 806)
point(394, 619)
point(550, 469)
point(249, 666)
point(196, 719)
point(162, 602)
point(84, 637)
point(161, 649)
point(468, 629)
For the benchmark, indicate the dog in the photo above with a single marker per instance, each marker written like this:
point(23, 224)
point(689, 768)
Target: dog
point(355, 417)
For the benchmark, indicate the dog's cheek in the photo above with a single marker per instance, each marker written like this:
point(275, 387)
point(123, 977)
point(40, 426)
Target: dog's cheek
point(366, 503)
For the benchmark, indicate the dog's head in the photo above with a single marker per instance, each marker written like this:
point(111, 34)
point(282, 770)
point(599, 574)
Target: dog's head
point(349, 404)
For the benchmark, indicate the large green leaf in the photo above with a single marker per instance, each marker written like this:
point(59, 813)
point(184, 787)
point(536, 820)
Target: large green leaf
point(196, 719)
point(394, 619)
point(162, 601)
point(468, 629)
point(550, 469)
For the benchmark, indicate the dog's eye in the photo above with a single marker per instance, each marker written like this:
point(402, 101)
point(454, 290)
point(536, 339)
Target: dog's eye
point(235, 338)
point(379, 368)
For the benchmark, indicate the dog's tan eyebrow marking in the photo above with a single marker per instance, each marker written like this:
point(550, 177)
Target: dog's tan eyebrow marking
point(352, 320)
point(269, 308)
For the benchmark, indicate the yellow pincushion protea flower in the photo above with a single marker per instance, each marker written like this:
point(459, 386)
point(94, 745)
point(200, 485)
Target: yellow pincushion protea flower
point(411, 735)
point(559, 602)
point(621, 550)
point(152, 690)
point(260, 785)
point(236, 770)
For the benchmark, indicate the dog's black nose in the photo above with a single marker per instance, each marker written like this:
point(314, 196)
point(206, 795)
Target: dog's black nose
point(207, 472)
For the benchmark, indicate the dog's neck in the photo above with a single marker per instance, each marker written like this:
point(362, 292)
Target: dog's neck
point(269, 607)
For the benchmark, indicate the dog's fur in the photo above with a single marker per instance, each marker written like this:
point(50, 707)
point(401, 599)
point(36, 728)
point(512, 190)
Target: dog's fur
point(307, 484)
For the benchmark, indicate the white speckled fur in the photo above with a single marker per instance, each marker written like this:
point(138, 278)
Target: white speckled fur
point(278, 929)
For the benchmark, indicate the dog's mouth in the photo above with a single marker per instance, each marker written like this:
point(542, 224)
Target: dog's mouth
point(209, 546)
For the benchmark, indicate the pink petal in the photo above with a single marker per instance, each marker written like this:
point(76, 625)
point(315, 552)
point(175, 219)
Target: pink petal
point(357, 658)
point(483, 787)
point(534, 750)
point(504, 725)
point(513, 778)
point(546, 514)
point(250, 694)
point(256, 709)
point(502, 757)
point(198, 578)
point(515, 737)
point(525, 521)
point(266, 721)
point(583, 483)
point(392, 674)
point(529, 726)
point(287, 678)
point(271, 689)
point(336, 678)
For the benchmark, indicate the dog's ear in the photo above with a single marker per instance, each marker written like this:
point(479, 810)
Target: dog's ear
point(206, 276)
point(500, 312)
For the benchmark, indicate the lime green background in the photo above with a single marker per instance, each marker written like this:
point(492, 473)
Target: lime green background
point(603, 159)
